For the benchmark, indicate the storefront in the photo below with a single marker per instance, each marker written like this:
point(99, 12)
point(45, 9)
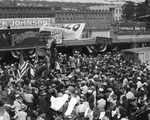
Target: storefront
point(131, 34)
point(21, 33)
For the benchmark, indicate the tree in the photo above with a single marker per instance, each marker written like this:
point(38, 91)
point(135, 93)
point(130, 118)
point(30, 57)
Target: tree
point(133, 10)
point(142, 9)
point(129, 10)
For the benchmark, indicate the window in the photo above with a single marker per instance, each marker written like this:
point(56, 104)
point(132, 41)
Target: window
point(141, 57)
point(87, 34)
point(119, 18)
point(116, 18)
point(116, 11)
point(120, 11)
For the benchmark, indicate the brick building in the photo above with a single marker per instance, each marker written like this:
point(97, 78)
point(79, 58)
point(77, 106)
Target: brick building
point(98, 22)
point(26, 12)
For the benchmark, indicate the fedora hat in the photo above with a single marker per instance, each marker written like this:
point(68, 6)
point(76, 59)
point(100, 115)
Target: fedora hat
point(24, 107)
point(42, 87)
point(114, 97)
point(28, 90)
point(43, 93)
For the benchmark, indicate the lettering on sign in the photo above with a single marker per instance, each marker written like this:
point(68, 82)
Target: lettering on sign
point(129, 29)
point(104, 41)
point(25, 22)
point(73, 27)
point(18, 38)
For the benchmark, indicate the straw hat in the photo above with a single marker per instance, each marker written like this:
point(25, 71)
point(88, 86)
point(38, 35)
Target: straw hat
point(23, 107)
point(43, 93)
point(42, 87)
point(114, 97)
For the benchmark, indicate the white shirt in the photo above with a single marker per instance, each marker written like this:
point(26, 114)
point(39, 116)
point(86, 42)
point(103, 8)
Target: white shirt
point(84, 89)
point(28, 98)
point(2, 118)
point(21, 115)
point(139, 84)
point(125, 82)
point(101, 104)
point(94, 94)
point(6, 116)
point(17, 105)
point(82, 107)
point(129, 95)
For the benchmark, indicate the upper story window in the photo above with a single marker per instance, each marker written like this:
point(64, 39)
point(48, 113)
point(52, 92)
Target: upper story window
point(120, 11)
point(116, 11)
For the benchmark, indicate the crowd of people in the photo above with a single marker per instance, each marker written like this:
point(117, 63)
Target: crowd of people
point(79, 87)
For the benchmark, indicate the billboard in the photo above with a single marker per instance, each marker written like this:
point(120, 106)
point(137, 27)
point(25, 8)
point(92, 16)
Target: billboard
point(20, 38)
point(71, 31)
point(23, 23)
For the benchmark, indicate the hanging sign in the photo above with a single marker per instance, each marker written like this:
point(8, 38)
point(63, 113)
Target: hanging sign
point(62, 31)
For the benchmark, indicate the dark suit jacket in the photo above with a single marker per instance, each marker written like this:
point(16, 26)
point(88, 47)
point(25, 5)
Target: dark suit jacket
point(91, 100)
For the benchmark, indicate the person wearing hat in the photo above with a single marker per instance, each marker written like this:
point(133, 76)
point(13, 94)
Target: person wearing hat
point(17, 103)
point(29, 98)
point(129, 94)
point(101, 102)
point(82, 106)
point(84, 87)
point(41, 116)
point(122, 113)
point(21, 114)
point(90, 99)
point(42, 101)
point(42, 87)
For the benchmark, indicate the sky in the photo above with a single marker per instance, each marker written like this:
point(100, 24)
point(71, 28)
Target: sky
point(96, 1)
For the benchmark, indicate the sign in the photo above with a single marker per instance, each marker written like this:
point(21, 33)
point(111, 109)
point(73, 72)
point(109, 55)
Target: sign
point(62, 31)
point(104, 41)
point(21, 23)
point(44, 36)
point(103, 33)
point(132, 28)
point(20, 38)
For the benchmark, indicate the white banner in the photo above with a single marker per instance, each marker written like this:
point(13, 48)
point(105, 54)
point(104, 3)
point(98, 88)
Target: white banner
point(70, 31)
point(57, 103)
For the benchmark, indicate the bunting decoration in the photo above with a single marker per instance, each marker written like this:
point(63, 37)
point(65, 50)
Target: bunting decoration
point(15, 54)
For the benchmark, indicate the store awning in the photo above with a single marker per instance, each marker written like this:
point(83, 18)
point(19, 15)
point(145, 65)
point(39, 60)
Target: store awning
point(137, 50)
point(79, 42)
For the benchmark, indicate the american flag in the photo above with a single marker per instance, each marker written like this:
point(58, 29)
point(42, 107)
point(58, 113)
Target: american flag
point(23, 67)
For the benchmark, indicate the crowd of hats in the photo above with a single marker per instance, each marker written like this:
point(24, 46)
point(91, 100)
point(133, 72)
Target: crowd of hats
point(109, 75)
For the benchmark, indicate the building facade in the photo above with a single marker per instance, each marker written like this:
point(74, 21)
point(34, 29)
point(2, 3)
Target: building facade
point(26, 12)
point(116, 10)
point(19, 26)
point(98, 22)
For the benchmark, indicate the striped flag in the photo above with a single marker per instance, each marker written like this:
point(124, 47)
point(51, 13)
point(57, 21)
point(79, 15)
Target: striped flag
point(22, 67)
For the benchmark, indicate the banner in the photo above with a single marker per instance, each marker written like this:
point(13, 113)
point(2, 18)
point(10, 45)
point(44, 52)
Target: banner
point(20, 38)
point(22, 23)
point(61, 31)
